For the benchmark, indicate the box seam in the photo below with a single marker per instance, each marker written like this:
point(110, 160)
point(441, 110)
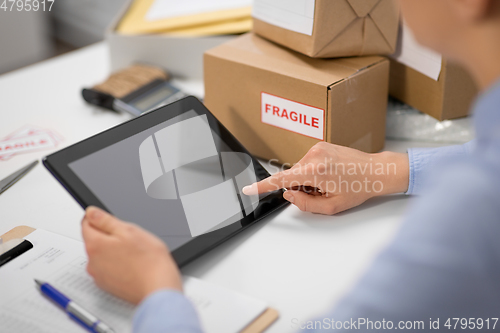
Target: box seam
point(357, 72)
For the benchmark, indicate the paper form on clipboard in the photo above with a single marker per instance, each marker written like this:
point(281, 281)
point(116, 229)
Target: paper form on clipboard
point(62, 261)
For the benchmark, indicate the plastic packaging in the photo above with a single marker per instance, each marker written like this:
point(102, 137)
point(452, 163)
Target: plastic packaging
point(407, 123)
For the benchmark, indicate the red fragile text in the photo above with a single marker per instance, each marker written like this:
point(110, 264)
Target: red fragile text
point(7, 146)
point(292, 115)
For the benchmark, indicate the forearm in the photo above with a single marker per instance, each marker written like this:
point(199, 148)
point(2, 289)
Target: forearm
point(435, 268)
point(422, 160)
point(405, 173)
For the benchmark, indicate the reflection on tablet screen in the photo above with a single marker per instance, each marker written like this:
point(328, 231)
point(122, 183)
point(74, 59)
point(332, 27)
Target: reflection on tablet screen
point(177, 179)
point(192, 171)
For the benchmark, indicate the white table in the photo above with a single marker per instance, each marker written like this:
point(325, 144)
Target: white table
point(300, 263)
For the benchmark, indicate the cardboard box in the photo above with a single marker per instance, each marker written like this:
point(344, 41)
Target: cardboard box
point(421, 78)
point(450, 97)
point(329, 28)
point(181, 56)
point(279, 103)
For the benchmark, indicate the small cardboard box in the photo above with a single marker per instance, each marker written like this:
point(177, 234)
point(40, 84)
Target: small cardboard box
point(329, 28)
point(180, 56)
point(450, 97)
point(279, 103)
point(425, 80)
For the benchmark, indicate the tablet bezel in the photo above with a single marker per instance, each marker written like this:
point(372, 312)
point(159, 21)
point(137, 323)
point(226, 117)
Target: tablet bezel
point(58, 165)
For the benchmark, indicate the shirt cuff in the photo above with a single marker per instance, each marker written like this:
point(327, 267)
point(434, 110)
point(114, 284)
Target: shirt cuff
point(166, 311)
point(421, 160)
point(415, 163)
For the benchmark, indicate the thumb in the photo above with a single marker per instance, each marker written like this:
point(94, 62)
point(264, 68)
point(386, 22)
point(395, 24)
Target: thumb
point(101, 220)
point(314, 204)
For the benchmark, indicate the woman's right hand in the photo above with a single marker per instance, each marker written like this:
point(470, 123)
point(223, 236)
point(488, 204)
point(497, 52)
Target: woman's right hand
point(345, 178)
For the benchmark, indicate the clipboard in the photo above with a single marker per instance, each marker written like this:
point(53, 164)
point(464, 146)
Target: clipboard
point(260, 324)
point(10, 252)
point(17, 232)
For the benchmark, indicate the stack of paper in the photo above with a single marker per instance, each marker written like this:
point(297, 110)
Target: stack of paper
point(187, 17)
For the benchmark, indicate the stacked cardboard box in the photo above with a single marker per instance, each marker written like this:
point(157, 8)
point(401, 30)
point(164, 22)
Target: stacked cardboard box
point(421, 78)
point(279, 97)
point(330, 28)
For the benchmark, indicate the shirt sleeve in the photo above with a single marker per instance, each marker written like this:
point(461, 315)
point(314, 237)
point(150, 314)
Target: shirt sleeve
point(442, 264)
point(166, 311)
point(423, 159)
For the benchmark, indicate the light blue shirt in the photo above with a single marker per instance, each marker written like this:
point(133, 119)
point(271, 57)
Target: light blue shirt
point(443, 263)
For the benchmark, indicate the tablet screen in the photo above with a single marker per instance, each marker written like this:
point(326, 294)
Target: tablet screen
point(177, 179)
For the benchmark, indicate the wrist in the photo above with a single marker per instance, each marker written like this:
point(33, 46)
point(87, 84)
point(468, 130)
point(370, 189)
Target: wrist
point(166, 278)
point(151, 289)
point(396, 172)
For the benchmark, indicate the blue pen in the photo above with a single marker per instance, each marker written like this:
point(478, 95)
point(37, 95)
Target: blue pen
point(75, 311)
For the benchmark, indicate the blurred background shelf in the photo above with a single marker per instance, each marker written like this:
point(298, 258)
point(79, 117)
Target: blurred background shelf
point(30, 37)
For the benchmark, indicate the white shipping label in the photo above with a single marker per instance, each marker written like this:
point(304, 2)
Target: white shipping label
point(292, 116)
point(294, 15)
point(412, 54)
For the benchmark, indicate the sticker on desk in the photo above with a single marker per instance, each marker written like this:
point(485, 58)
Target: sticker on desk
point(26, 140)
point(292, 116)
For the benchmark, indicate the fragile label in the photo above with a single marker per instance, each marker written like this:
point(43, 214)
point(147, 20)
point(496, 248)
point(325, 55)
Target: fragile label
point(292, 116)
point(26, 140)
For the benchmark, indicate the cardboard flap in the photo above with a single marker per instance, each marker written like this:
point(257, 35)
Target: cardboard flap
point(373, 39)
point(336, 17)
point(385, 16)
point(258, 52)
point(363, 7)
point(366, 27)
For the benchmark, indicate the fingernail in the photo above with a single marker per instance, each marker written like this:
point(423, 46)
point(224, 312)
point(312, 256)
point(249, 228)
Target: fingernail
point(288, 196)
point(94, 213)
point(248, 190)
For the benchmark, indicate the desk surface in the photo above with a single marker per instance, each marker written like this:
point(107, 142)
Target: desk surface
point(300, 263)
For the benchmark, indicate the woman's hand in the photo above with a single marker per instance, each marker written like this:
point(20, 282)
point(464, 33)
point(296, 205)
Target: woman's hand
point(126, 260)
point(345, 178)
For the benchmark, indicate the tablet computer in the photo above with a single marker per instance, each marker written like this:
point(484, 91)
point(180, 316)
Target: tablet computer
point(175, 171)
